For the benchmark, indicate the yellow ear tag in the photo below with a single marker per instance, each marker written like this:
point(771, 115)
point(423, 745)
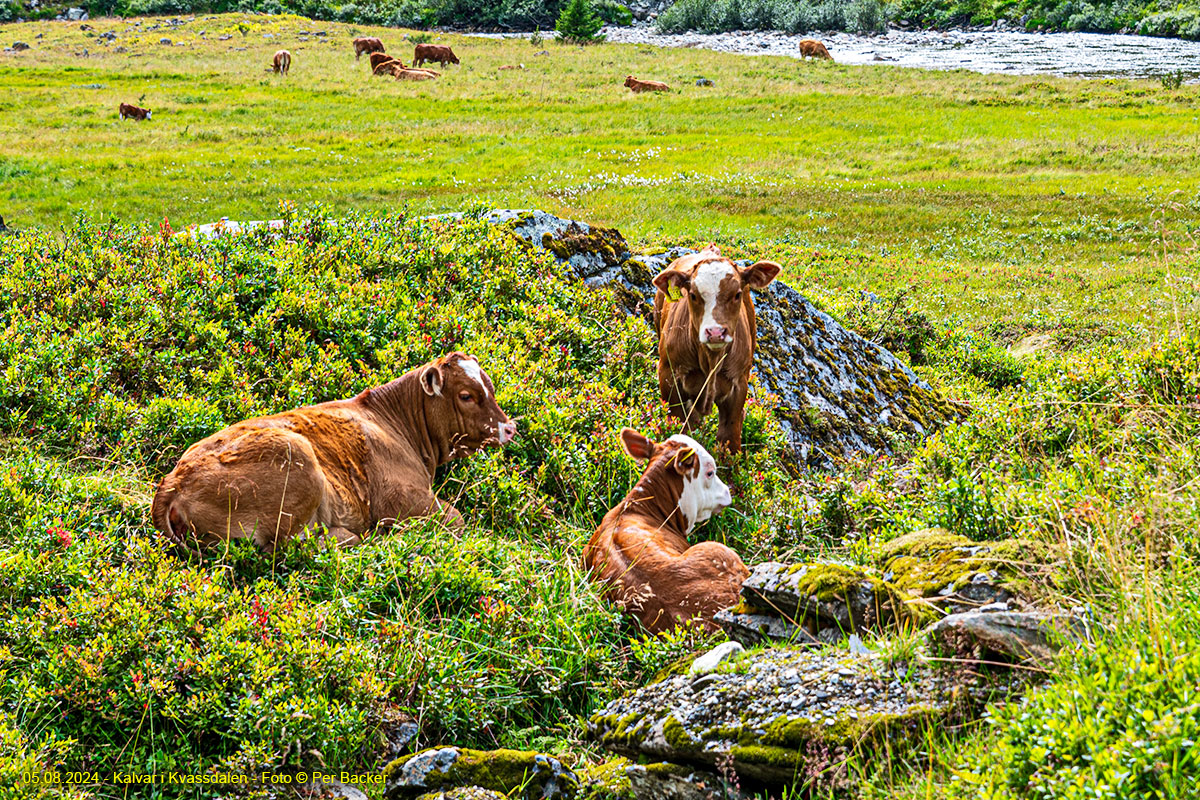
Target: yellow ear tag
point(673, 292)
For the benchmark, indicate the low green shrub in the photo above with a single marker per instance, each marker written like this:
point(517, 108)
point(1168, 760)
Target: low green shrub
point(1121, 719)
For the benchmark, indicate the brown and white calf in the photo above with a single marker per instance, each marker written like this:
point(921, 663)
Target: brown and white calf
point(130, 111)
point(282, 62)
point(707, 331)
point(640, 553)
point(367, 44)
point(346, 465)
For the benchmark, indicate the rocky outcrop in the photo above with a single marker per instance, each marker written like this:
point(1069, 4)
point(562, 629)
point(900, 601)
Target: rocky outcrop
point(514, 773)
point(835, 393)
point(999, 637)
point(786, 715)
point(917, 579)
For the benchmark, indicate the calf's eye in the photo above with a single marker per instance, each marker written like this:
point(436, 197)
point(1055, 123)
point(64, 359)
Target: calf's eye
point(466, 397)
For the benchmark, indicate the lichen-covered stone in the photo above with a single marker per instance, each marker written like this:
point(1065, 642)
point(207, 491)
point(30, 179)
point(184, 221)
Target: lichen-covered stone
point(828, 600)
point(786, 714)
point(535, 776)
point(464, 793)
point(607, 781)
point(751, 626)
point(835, 392)
point(1006, 636)
point(953, 573)
point(666, 781)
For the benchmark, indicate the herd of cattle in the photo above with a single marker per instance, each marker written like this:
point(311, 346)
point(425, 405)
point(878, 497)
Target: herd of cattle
point(384, 64)
point(365, 463)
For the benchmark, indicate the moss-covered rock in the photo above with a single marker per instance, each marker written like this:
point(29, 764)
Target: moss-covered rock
point(786, 712)
point(606, 781)
point(516, 773)
point(828, 600)
point(464, 793)
point(953, 573)
point(667, 781)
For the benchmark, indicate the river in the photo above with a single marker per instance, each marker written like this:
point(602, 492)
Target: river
point(1083, 55)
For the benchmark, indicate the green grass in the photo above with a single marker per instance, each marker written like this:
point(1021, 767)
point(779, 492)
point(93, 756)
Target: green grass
point(991, 196)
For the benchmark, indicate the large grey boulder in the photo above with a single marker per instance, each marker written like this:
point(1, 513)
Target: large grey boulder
point(837, 393)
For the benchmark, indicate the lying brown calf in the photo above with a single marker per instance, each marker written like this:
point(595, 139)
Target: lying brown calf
point(346, 465)
point(640, 553)
point(380, 58)
point(128, 111)
point(637, 86)
point(411, 74)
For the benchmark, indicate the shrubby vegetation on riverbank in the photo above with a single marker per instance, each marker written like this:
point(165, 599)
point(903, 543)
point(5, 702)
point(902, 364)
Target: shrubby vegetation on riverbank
point(869, 16)
point(1153, 18)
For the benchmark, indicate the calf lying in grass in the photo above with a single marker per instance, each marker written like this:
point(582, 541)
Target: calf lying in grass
point(640, 553)
point(346, 465)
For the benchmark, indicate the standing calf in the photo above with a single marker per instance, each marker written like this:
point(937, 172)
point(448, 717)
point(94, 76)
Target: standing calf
point(282, 62)
point(813, 48)
point(433, 52)
point(640, 553)
point(707, 330)
point(346, 465)
point(367, 44)
point(128, 111)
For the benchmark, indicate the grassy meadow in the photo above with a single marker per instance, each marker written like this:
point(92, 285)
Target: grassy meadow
point(988, 194)
point(981, 209)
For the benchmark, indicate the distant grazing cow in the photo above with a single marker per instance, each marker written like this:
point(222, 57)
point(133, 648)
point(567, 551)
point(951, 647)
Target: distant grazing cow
point(128, 111)
point(813, 48)
point(367, 44)
point(638, 86)
point(640, 553)
point(704, 316)
point(380, 58)
point(346, 465)
point(282, 62)
point(433, 52)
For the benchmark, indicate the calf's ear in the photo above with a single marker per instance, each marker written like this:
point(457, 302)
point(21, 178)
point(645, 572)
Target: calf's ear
point(759, 274)
point(432, 380)
point(671, 278)
point(685, 461)
point(638, 446)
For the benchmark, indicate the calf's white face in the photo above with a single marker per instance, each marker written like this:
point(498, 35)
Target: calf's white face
point(716, 290)
point(704, 494)
point(710, 277)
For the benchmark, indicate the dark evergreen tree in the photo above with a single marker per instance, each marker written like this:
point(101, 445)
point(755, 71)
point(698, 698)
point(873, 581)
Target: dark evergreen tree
point(579, 23)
